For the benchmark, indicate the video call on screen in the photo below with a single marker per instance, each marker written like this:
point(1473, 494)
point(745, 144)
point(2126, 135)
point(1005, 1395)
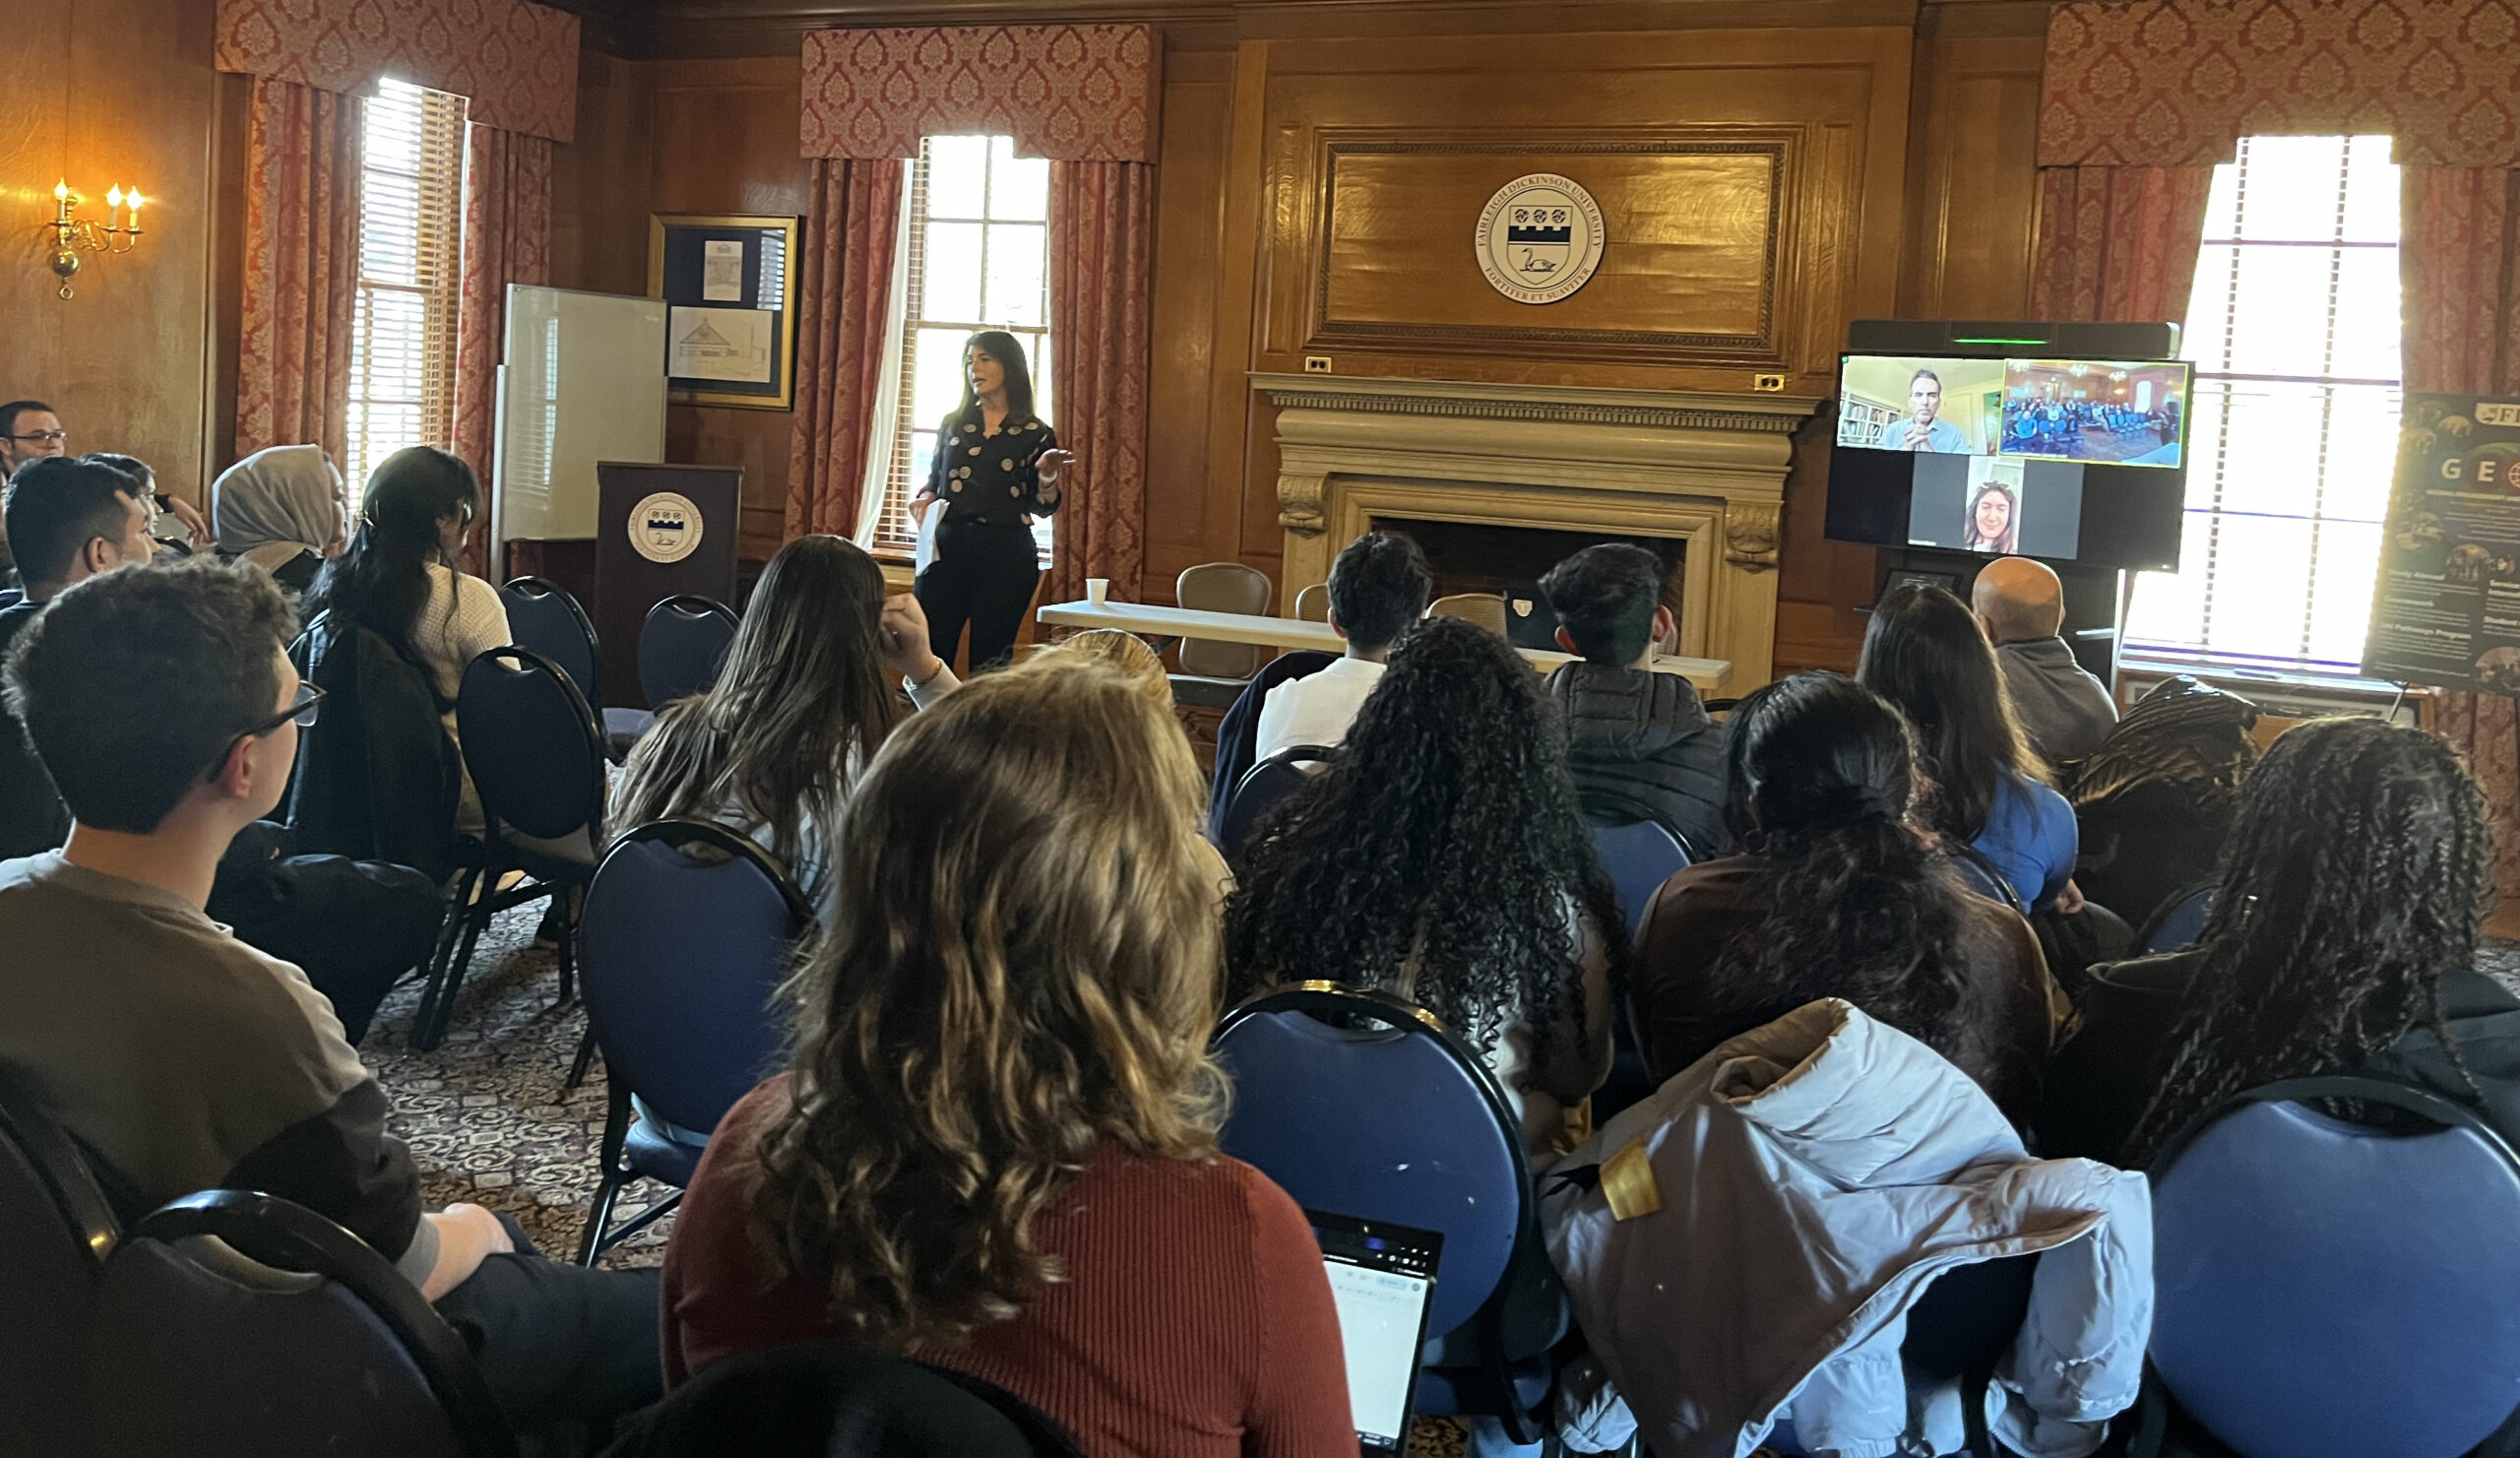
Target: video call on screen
point(2072, 461)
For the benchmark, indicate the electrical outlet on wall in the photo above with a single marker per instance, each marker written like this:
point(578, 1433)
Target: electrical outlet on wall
point(1316, 364)
point(1768, 384)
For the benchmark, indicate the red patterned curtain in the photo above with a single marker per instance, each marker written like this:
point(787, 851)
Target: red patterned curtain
point(1101, 286)
point(507, 239)
point(2459, 258)
point(2118, 244)
point(302, 269)
point(846, 287)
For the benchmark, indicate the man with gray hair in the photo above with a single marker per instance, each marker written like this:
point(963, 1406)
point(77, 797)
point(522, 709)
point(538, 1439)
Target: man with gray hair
point(2065, 711)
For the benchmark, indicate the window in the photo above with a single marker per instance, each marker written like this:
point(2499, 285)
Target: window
point(975, 256)
point(2294, 422)
point(402, 339)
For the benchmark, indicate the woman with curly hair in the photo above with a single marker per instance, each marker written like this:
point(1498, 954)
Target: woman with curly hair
point(1440, 858)
point(1840, 893)
point(2343, 940)
point(1926, 653)
point(995, 1147)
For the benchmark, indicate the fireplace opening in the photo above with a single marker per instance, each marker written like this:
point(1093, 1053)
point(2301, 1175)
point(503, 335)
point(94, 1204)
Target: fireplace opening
point(1482, 557)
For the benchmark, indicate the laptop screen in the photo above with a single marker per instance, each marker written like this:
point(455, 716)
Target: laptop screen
point(1383, 1279)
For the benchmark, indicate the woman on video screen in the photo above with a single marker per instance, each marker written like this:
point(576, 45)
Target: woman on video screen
point(1995, 521)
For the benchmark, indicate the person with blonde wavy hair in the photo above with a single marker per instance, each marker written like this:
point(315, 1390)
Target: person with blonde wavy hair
point(994, 1148)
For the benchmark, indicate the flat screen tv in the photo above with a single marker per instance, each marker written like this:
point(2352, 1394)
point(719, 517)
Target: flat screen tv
point(2071, 459)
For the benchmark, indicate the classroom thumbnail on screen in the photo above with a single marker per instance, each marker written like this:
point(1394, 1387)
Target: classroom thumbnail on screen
point(2123, 413)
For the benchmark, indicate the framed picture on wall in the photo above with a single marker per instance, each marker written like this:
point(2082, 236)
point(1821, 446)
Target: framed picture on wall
point(729, 286)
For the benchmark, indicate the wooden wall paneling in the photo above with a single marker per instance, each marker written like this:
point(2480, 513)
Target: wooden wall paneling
point(1243, 475)
point(724, 140)
point(1973, 199)
point(106, 92)
point(1183, 515)
point(600, 182)
point(232, 116)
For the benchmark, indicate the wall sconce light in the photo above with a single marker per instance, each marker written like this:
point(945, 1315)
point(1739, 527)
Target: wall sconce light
point(72, 236)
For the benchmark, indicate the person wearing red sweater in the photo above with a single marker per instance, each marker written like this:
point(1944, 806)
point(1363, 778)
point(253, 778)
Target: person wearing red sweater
point(995, 1149)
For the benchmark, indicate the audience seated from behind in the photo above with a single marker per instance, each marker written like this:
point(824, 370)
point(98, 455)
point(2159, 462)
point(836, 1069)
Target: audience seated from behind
point(183, 1059)
point(1378, 586)
point(31, 430)
point(282, 509)
point(774, 748)
point(2343, 940)
point(152, 501)
point(66, 520)
point(354, 926)
point(1843, 895)
point(996, 1146)
point(1925, 652)
point(1640, 744)
point(398, 579)
point(2064, 711)
point(1441, 858)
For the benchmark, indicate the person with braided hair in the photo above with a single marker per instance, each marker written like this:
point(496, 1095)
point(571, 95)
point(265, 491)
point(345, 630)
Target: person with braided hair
point(1840, 893)
point(1440, 858)
point(2343, 940)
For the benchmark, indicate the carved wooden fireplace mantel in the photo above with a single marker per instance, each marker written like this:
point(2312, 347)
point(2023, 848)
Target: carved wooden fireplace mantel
point(1706, 470)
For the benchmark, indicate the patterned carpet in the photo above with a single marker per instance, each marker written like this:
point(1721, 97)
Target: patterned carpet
point(484, 1112)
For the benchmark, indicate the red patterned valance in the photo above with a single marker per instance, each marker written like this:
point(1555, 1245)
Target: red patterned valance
point(516, 63)
point(1067, 92)
point(2176, 83)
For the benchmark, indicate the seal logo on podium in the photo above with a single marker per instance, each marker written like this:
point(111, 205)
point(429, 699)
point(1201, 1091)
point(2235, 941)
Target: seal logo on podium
point(664, 526)
point(1540, 239)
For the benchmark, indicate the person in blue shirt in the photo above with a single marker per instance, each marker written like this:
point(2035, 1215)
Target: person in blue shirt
point(1925, 653)
point(1922, 429)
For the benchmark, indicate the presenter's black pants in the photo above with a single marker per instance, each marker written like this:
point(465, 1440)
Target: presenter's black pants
point(983, 575)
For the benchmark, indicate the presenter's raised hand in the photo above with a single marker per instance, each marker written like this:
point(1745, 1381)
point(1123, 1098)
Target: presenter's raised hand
point(1052, 461)
point(901, 635)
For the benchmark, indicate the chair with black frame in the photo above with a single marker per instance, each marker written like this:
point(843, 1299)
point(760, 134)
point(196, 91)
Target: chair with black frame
point(1362, 1103)
point(1639, 856)
point(2176, 923)
point(282, 1335)
point(537, 761)
point(831, 1400)
point(376, 776)
point(688, 930)
point(681, 647)
point(56, 1230)
point(1238, 733)
point(2327, 1288)
point(1261, 789)
point(547, 617)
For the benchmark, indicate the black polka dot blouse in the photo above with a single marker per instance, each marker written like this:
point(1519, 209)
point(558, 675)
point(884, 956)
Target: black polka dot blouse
point(983, 477)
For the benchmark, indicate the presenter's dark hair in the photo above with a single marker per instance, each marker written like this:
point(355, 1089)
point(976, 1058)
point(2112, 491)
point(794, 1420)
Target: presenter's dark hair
point(1008, 351)
point(381, 580)
point(2358, 869)
point(1924, 374)
point(1925, 653)
point(134, 684)
point(1605, 597)
point(56, 505)
point(1378, 586)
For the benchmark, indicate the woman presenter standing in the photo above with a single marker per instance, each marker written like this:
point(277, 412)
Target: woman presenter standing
point(997, 467)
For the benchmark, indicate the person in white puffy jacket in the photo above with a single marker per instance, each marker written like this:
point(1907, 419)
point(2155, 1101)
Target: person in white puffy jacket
point(1788, 1198)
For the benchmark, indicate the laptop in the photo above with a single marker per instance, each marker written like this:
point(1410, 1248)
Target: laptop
point(1383, 1279)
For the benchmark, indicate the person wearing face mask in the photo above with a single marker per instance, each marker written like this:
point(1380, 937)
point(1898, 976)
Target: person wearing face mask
point(997, 466)
point(281, 509)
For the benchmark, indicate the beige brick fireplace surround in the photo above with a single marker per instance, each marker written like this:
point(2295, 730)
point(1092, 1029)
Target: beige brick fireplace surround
point(1705, 470)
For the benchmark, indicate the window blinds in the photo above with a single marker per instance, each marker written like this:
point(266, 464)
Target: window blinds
point(402, 336)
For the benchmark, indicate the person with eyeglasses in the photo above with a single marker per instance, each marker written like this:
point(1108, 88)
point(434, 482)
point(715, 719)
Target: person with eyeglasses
point(31, 430)
point(184, 1060)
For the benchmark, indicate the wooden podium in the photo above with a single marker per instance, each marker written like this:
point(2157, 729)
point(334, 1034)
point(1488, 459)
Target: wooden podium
point(661, 532)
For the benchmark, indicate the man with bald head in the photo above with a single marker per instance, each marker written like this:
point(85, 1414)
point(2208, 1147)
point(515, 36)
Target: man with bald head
point(2065, 711)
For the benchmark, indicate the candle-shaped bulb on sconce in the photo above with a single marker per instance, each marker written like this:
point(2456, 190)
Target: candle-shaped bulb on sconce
point(113, 203)
point(131, 200)
point(61, 190)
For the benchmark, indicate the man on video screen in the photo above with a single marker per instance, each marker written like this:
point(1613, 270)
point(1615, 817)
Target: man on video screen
point(1923, 429)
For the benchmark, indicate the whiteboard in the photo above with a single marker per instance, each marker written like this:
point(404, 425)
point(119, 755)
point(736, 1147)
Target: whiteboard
point(584, 382)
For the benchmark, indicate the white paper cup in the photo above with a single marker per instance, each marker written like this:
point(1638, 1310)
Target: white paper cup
point(1097, 590)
